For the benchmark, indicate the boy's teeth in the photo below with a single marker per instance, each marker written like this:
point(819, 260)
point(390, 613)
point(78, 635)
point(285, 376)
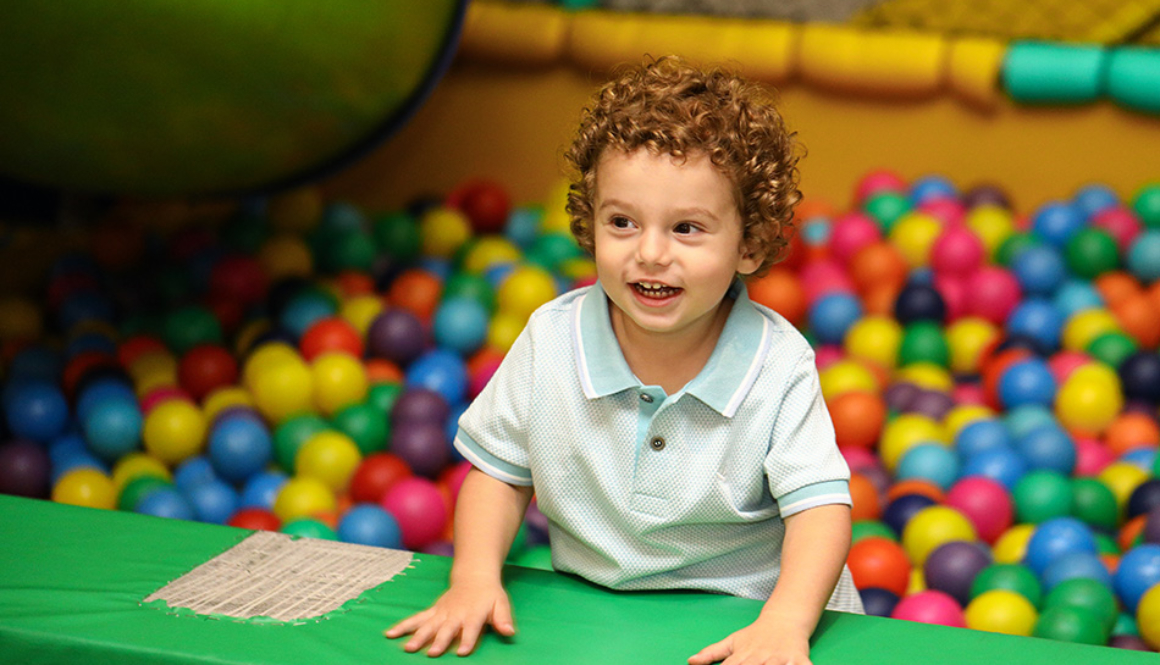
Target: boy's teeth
point(655, 290)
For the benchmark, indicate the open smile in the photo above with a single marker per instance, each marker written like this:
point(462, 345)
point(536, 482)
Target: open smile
point(655, 290)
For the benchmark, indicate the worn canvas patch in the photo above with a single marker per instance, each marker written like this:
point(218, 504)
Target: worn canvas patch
point(274, 575)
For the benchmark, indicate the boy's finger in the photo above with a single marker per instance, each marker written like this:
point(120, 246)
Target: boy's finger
point(711, 654)
point(501, 619)
point(443, 639)
point(422, 636)
point(468, 637)
point(405, 626)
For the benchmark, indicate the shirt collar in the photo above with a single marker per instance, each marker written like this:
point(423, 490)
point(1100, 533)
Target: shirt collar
point(722, 384)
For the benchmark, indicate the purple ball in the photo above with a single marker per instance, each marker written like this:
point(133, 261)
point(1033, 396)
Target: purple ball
point(537, 525)
point(440, 548)
point(953, 566)
point(1152, 526)
point(986, 194)
point(900, 395)
point(396, 335)
point(423, 446)
point(931, 403)
point(25, 469)
point(420, 405)
point(1130, 642)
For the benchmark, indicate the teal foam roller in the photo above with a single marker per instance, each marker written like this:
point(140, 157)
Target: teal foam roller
point(1041, 73)
point(1134, 78)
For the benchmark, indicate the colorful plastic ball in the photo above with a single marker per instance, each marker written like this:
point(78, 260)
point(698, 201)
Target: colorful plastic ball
point(957, 251)
point(1003, 465)
point(441, 371)
point(192, 472)
point(1083, 327)
point(369, 524)
point(1144, 499)
point(136, 489)
point(858, 418)
point(460, 324)
point(1012, 577)
point(420, 510)
point(781, 290)
point(283, 390)
point(878, 602)
point(924, 342)
point(993, 295)
point(1065, 623)
point(877, 182)
point(213, 502)
point(375, 475)
point(1138, 571)
point(422, 445)
point(1094, 504)
point(442, 231)
point(1091, 252)
point(136, 465)
point(832, 315)
point(330, 334)
point(292, 434)
point(1122, 478)
point(261, 490)
point(1077, 565)
point(239, 447)
point(1056, 537)
point(915, 234)
point(339, 380)
point(982, 435)
point(174, 430)
point(112, 427)
point(906, 431)
point(309, 527)
point(985, 503)
point(844, 376)
point(1048, 447)
point(932, 607)
point(524, 290)
point(1040, 270)
point(1148, 617)
point(879, 563)
point(1038, 319)
point(886, 208)
point(1056, 222)
point(35, 410)
point(1042, 495)
point(1090, 399)
point(25, 469)
point(919, 302)
point(1093, 198)
point(365, 424)
point(932, 527)
point(1143, 259)
point(397, 335)
point(1028, 381)
point(420, 405)
point(874, 266)
point(931, 461)
point(166, 502)
point(850, 233)
point(330, 457)
point(1112, 348)
point(257, 519)
point(1001, 611)
point(874, 339)
point(303, 496)
point(953, 566)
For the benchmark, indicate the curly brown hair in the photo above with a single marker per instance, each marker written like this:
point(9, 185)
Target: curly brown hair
point(669, 106)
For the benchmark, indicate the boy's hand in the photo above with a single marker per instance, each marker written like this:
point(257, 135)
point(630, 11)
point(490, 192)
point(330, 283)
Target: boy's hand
point(461, 612)
point(757, 644)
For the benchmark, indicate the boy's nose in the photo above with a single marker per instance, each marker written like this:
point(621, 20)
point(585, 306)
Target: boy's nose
point(653, 249)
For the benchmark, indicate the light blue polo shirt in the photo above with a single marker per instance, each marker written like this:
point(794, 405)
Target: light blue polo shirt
point(645, 490)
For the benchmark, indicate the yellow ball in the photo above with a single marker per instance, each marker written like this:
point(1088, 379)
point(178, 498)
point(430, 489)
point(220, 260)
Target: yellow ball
point(926, 375)
point(1089, 399)
point(443, 231)
point(285, 256)
point(524, 290)
point(488, 252)
point(917, 583)
point(283, 390)
point(556, 218)
point(1086, 325)
point(303, 496)
point(223, 398)
point(905, 432)
point(174, 431)
point(992, 224)
point(361, 311)
point(1123, 478)
point(133, 466)
point(329, 456)
point(153, 367)
point(964, 414)
point(85, 487)
point(340, 380)
point(967, 338)
point(20, 320)
point(875, 339)
point(1148, 617)
point(1001, 611)
point(844, 376)
point(503, 330)
point(578, 268)
point(932, 527)
point(1012, 545)
point(270, 354)
point(914, 234)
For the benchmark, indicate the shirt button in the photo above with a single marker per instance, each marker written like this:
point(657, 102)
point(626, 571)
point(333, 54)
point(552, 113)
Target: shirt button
point(657, 443)
point(645, 397)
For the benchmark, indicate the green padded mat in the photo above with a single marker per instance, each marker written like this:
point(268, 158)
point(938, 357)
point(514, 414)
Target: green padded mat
point(71, 582)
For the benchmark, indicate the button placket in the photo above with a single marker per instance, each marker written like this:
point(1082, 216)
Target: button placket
point(657, 443)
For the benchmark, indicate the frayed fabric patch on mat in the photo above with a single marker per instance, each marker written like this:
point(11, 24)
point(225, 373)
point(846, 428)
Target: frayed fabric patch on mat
point(286, 579)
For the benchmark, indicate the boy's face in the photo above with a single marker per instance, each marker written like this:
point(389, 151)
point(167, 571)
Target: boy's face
point(667, 240)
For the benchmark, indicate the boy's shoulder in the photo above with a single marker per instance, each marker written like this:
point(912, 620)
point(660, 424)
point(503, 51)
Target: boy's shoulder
point(785, 340)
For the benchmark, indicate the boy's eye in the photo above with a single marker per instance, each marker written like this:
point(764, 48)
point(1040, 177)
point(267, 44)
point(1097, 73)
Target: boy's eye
point(685, 228)
point(620, 222)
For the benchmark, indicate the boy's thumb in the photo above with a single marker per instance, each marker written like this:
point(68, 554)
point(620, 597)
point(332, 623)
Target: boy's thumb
point(501, 619)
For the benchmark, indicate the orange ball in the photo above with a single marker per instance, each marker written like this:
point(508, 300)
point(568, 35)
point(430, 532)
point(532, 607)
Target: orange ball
point(867, 504)
point(858, 418)
point(915, 486)
point(781, 291)
point(877, 265)
point(380, 370)
point(879, 300)
point(992, 369)
point(1140, 318)
point(417, 291)
point(1116, 285)
point(355, 283)
point(880, 563)
point(1130, 431)
point(1129, 531)
point(330, 334)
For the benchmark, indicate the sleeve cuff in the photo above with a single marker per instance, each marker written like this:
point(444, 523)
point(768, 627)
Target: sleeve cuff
point(812, 496)
point(490, 464)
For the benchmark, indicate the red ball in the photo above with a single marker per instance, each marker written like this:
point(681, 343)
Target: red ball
point(331, 334)
point(255, 518)
point(136, 346)
point(375, 475)
point(206, 367)
point(879, 563)
point(241, 277)
point(486, 204)
point(453, 477)
point(419, 508)
point(986, 504)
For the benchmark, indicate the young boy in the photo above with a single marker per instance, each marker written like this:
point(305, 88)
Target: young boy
point(674, 431)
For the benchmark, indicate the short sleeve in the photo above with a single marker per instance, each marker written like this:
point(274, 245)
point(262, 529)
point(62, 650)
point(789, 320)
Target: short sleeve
point(492, 432)
point(804, 467)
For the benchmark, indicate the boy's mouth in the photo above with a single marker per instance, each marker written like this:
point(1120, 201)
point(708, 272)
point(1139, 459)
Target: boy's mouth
point(655, 290)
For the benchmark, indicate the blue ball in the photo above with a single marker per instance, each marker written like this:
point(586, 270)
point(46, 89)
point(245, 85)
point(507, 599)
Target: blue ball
point(1056, 223)
point(496, 274)
point(35, 410)
point(1038, 319)
point(262, 489)
point(1048, 447)
point(1144, 256)
point(1076, 295)
point(919, 302)
point(441, 268)
point(1095, 198)
point(1144, 458)
point(1040, 270)
point(166, 502)
point(193, 472)
point(239, 447)
point(1138, 571)
point(523, 226)
point(878, 602)
point(1003, 465)
point(899, 511)
point(1023, 419)
point(1073, 565)
point(35, 362)
point(213, 502)
point(1028, 381)
point(304, 310)
point(1055, 538)
point(932, 462)
point(982, 435)
point(832, 315)
point(441, 371)
point(368, 524)
point(932, 187)
point(74, 459)
point(1140, 377)
point(90, 342)
point(452, 429)
point(113, 427)
point(460, 324)
point(100, 390)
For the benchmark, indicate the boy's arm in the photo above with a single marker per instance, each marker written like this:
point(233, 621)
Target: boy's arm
point(488, 513)
point(813, 553)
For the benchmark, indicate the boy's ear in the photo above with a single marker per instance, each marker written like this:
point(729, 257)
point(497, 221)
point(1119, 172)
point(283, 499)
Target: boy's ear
point(750, 260)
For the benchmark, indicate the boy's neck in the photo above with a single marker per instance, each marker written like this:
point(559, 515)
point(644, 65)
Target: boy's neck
point(669, 360)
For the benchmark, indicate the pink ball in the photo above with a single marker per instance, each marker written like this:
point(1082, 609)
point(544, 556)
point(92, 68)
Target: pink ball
point(1121, 224)
point(985, 503)
point(993, 294)
point(453, 477)
point(859, 459)
point(419, 508)
point(828, 354)
point(930, 606)
point(969, 393)
point(957, 251)
point(949, 210)
point(953, 290)
point(851, 233)
point(823, 277)
point(877, 182)
point(162, 394)
point(1091, 456)
point(482, 374)
point(1063, 363)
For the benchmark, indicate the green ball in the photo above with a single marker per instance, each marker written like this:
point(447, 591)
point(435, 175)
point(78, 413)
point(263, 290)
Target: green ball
point(366, 425)
point(1112, 348)
point(292, 435)
point(1147, 205)
point(1086, 594)
point(474, 287)
point(383, 395)
point(345, 250)
point(1106, 544)
point(137, 489)
point(397, 235)
point(1042, 495)
point(1126, 625)
point(924, 342)
point(1094, 504)
point(885, 208)
point(1091, 252)
point(539, 557)
point(305, 527)
point(1013, 246)
point(245, 233)
point(871, 529)
point(190, 326)
point(550, 250)
point(1071, 624)
point(1009, 577)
